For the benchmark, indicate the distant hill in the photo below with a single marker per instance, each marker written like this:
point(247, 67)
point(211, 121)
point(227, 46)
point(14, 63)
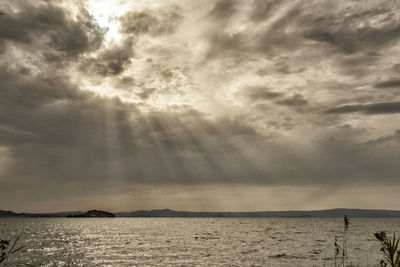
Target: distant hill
point(7, 213)
point(331, 213)
point(4, 213)
point(93, 214)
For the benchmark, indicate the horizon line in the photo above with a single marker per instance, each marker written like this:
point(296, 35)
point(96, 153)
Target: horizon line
point(161, 209)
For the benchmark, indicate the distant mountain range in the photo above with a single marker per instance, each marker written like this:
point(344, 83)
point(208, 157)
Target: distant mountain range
point(331, 213)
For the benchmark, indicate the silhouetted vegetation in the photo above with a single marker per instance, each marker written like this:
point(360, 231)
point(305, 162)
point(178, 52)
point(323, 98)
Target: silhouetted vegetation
point(6, 250)
point(389, 246)
point(390, 249)
point(341, 256)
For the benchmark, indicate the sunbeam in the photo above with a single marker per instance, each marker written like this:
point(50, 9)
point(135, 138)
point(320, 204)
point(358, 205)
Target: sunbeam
point(106, 97)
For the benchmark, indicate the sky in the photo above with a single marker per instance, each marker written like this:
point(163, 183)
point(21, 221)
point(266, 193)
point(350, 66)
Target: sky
point(210, 105)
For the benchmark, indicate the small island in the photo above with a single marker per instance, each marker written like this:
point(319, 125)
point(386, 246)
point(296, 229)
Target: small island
point(93, 214)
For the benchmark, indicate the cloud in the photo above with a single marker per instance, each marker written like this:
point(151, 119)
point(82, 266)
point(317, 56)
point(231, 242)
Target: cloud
point(357, 65)
point(196, 94)
point(352, 41)
point(281, 33)
point(260, 93)
point(146, 93)
point(383, 140)
point(60, 135)
point(351, 34)
point(111, 61)
point(388, 84)
point(369, 109)
point(263, 9)
point(225, 45)
point(46, 25)
point(48, 106)
point(154, 22)
point(223, 9)
point(263, 93)
point(294, 101)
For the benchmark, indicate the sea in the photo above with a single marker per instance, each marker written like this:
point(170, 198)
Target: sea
point(193, 241)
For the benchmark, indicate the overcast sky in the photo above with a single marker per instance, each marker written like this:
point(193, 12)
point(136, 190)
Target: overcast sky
point(199, 105)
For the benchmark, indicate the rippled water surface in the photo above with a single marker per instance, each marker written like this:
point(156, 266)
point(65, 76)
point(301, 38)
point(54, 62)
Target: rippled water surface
point(193, 241)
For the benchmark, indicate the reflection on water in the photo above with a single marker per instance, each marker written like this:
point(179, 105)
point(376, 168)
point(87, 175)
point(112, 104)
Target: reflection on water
point(193, 241)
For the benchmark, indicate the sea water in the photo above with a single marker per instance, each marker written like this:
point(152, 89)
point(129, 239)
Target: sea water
point(193, 241)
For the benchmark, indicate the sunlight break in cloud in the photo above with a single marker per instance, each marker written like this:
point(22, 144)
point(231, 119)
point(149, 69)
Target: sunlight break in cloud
point(155, 102)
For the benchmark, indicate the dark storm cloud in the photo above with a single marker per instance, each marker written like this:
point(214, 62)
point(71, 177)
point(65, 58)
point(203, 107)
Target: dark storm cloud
point(59, 135)
point(352, 41)
point(284, 67)
point(237, 127)
point(10, 135)
point(124, 83)
point(262, 9)
point(154, 22)
point(55, 136)
point(267, 40)
point(111, 61)
point(297, 27)
point(293, 101)
point(282, 34)
point(225, 45)
point(388, 84)
point(395, 137)
point(396, 68)
point(26, 91)
point(48, 108)
point(137, 22)
point(358, 65)
point(260, 93)
point(43, 21)
point(146, 93)
point(369, 109)
point(53, 129)
point(348, 40)
point(223, 9)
